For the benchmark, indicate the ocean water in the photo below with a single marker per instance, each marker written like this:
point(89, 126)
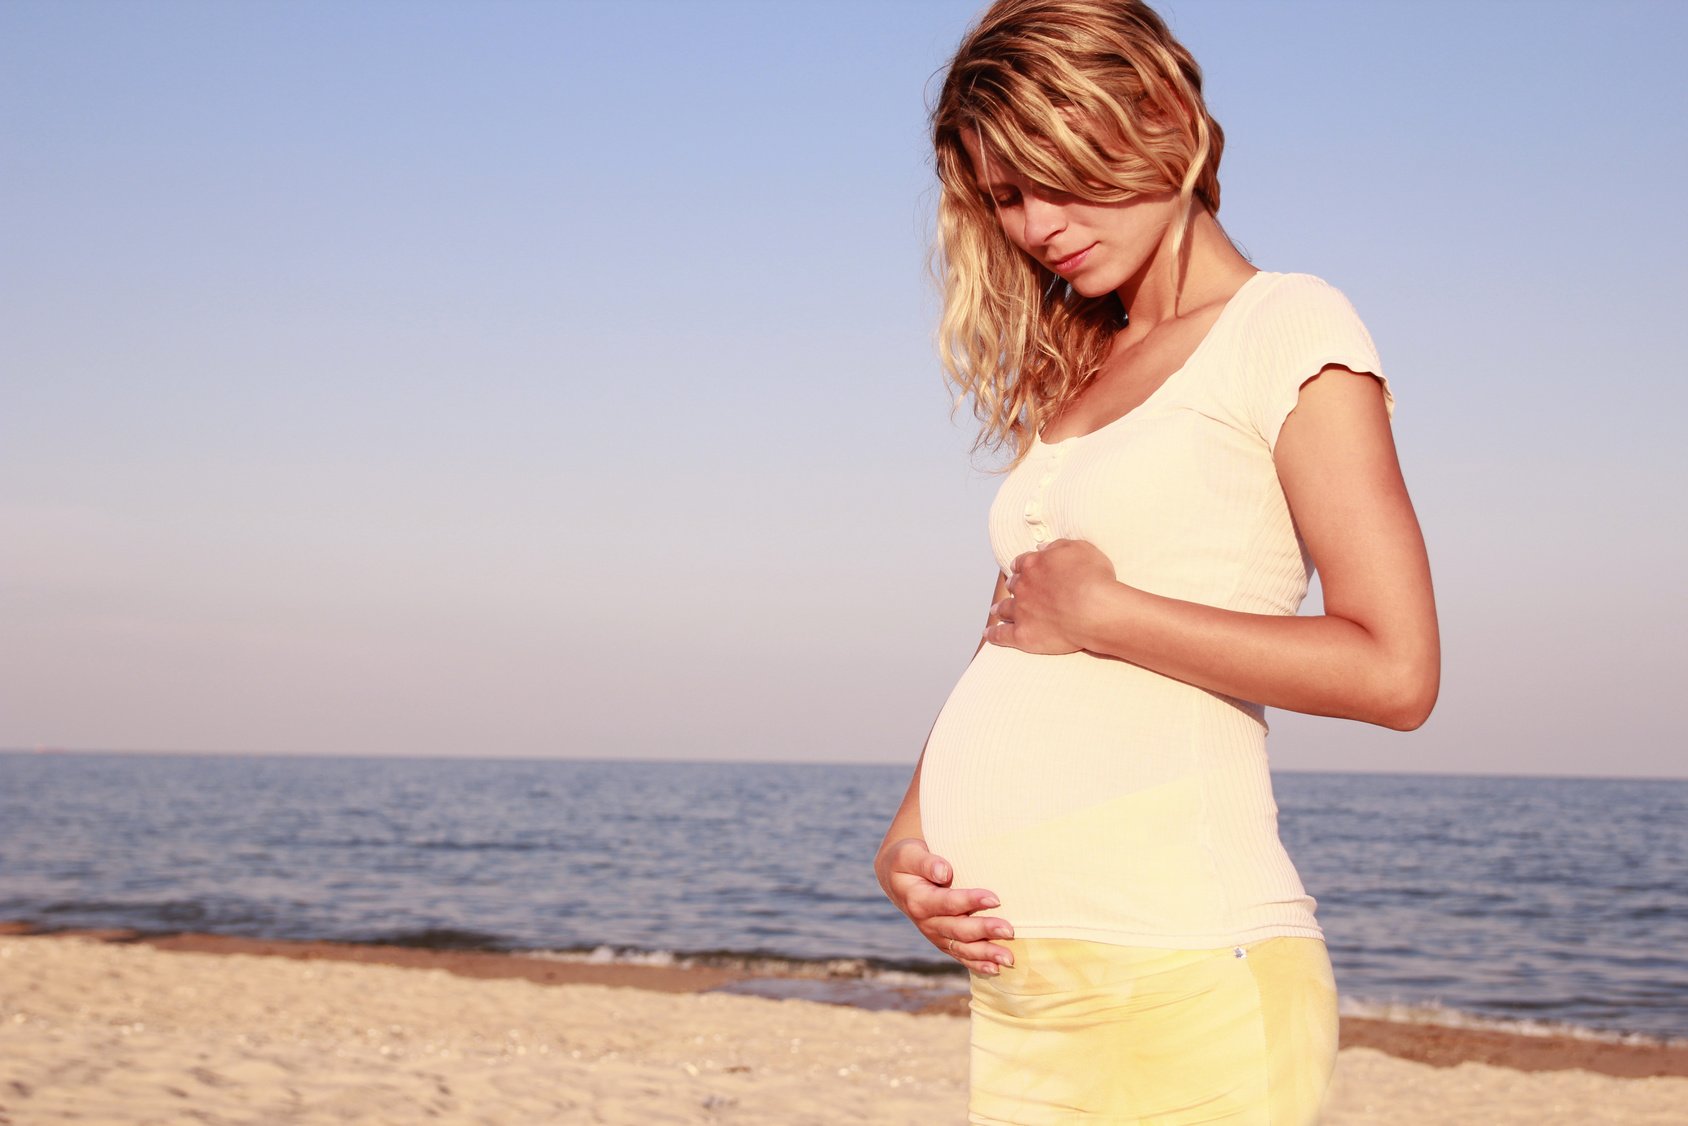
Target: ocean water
point(1552, 902)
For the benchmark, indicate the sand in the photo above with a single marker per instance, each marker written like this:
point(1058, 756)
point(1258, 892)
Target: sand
point(96, 1031)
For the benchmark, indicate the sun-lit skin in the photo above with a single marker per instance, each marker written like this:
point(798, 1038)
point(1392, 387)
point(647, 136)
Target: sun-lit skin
point(1373, 655)
point(1095, 247)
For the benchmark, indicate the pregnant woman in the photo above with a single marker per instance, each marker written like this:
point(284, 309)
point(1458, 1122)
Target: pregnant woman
point(1091, 829)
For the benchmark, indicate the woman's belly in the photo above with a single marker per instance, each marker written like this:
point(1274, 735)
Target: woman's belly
point(1098, 799)
point(1024, 738)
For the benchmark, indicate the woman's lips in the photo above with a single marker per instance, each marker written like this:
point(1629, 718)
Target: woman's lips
point(1072, 261)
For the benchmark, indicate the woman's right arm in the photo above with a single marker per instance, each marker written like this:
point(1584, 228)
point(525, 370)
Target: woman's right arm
point(917, 881)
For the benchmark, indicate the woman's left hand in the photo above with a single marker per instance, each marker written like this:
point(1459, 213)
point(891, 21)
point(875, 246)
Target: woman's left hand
point(1053, 597)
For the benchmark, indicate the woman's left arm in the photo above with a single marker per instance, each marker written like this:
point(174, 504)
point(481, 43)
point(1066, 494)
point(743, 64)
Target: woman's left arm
point(1374, 655)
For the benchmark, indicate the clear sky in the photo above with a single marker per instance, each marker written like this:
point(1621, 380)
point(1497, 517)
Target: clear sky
point(556, 379)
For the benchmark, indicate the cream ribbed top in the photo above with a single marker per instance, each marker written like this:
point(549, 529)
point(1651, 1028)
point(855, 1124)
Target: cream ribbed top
point(1098, 799)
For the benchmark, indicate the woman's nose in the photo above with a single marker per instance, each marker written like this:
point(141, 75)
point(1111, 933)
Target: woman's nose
point(1044, 220)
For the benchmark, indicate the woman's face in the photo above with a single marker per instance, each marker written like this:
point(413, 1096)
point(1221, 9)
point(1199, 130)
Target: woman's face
point(1096, 248)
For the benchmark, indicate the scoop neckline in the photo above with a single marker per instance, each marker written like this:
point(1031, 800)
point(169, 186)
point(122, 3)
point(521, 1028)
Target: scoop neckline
point(1231, 303)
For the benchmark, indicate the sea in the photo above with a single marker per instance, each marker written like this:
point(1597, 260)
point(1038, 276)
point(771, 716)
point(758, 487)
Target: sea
point(1534, 904)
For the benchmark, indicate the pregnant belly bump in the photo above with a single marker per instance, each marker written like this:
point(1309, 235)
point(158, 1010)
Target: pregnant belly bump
point(1133, 863)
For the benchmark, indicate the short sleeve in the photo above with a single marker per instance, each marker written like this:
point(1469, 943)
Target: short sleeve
point(1301, 326)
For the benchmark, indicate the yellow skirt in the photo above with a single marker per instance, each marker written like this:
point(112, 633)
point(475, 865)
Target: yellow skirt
point(1088, 1032)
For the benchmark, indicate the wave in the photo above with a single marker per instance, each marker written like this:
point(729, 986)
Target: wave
point(1445, 1016)
point(438, 938)
point(902, 973)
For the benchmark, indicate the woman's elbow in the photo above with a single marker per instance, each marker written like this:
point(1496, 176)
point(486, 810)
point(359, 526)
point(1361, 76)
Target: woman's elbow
point(1409, 717)
point(1408, 696)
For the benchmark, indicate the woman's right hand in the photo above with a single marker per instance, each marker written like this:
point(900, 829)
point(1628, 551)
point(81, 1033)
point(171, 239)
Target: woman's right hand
point(917, 881)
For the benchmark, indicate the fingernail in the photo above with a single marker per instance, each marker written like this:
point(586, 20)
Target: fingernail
point(1004, 931)
point(1005, 958)
point(941, 873)
point(990, 901)
point(989, 969)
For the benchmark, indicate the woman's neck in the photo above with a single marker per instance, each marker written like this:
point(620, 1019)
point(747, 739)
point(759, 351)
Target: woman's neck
point(1207, 269)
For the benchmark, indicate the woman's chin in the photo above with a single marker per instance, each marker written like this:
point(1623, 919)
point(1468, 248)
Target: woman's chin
point(1086, 285)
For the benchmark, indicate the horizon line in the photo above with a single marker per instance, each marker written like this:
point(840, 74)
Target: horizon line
point(48, 751)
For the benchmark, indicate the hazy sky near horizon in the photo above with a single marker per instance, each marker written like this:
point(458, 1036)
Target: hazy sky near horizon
point(556, 379)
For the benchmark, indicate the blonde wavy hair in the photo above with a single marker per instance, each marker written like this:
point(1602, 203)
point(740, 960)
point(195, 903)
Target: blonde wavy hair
point(1091, 97)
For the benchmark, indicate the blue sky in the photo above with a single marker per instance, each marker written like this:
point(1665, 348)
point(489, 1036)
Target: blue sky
point(556, 379)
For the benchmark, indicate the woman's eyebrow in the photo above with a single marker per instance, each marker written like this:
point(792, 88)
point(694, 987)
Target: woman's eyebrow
point(995, 176)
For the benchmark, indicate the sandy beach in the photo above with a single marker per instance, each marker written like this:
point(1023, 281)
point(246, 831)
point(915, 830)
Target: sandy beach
point(100, 1028)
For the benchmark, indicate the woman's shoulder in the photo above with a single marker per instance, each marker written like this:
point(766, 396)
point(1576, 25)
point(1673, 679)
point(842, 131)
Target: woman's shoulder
point(1280, 293)
point(1290, 312)
point(1295, 325)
